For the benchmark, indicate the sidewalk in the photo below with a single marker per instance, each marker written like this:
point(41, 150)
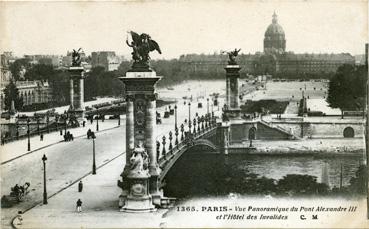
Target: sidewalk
point(100, 205)
point(18, 148)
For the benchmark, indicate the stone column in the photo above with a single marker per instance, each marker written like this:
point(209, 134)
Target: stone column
point(150, 137)
point(71, 93)
point(130, 138)
point(228, 92)
point(81, 94)
point(232, 91)
point(151, 133)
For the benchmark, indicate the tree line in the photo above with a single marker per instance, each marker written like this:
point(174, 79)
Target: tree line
point(98, 82)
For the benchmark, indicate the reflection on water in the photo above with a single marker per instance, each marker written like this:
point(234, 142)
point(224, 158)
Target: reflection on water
point(205, 174)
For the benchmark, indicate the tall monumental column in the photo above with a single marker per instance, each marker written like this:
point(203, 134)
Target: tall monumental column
point(140, 189)
point(140, 177)
point(232, 108)
point(76, 89)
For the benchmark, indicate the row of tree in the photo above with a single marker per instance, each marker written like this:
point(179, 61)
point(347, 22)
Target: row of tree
point(347, 88)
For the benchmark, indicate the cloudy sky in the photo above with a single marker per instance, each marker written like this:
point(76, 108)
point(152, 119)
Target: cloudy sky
point(182, 27)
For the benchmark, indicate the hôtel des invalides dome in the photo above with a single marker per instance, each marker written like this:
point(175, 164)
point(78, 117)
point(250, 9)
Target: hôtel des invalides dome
point(276, 61)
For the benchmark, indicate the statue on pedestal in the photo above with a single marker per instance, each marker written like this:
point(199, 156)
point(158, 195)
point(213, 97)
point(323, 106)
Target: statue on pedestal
point(76, 58)
point(139, 162)
point(142, 45)
point(232, 56)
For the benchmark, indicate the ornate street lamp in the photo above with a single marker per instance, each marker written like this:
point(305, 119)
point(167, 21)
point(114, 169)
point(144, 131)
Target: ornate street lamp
point(207, 101)
point(163, 143)
point(44, 158)
point(194, 125)
point(97, 120)
point(182, 130)
point(189, 117)
point(28, 137)
point(198, 124)
point(175, 116)
point(93, 154)
point(157, 150)
point(170, 140)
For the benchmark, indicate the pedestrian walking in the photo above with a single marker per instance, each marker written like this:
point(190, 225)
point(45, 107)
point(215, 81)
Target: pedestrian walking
point(80, 186)
point(83, 123)
point(79, 205)
point(61, 132)
point(92, 120)
point(41, 137)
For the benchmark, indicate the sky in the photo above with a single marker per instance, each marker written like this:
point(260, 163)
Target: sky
point(182, 27)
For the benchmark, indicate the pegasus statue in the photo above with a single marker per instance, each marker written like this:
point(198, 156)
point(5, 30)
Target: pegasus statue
point(232, 56)
point(76, 58)
point(142, 45)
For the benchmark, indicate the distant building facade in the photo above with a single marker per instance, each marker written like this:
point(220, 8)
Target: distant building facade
point(106, 59)
point(274, 60)
point(33, 92)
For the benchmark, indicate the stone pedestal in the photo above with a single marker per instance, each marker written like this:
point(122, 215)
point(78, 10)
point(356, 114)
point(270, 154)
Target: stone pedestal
point(232, 108)
point(140, 128)
point(76, 91)
point(138, 198)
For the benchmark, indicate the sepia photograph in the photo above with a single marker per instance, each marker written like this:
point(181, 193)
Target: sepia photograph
point(184, 114)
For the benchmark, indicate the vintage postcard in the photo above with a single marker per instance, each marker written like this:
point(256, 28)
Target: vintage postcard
point(184, 114)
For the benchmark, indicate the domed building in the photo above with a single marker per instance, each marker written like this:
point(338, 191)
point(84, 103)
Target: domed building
point(274, 38)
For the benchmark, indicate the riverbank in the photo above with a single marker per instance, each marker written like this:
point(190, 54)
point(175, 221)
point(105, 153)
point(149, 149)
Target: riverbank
point(341, 146)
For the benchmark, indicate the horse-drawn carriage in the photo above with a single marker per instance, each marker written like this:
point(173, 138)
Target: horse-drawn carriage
point(17, 194)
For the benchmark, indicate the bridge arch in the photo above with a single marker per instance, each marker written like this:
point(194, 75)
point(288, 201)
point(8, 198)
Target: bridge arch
point(191, 145)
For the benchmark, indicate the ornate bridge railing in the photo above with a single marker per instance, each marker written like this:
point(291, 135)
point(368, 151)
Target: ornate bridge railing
point(201, 128)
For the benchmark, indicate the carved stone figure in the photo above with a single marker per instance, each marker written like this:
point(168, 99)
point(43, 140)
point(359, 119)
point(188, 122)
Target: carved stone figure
point(139, 160)
point(232, 56)
point(141, 46)
point(76, 58)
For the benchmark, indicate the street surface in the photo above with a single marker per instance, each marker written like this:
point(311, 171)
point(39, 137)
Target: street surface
point(70, 161)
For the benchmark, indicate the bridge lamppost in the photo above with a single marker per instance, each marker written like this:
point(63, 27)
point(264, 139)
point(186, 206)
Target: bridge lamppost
point(175, 125)
point(157, 150)
point(44, 158)
point(207, 100)
point(189, 117)
point(170, 140)
point(182, 130)
point(198, 124)
point(163, 152)
point(28, 136)
point(97, 120)
point(93, 154)
point(202, 122)
point(194, 125)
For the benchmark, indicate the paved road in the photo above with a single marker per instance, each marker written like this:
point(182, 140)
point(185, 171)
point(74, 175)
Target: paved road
point(69, 161)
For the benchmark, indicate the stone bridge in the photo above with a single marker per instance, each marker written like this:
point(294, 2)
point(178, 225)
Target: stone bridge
point(204, 137)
